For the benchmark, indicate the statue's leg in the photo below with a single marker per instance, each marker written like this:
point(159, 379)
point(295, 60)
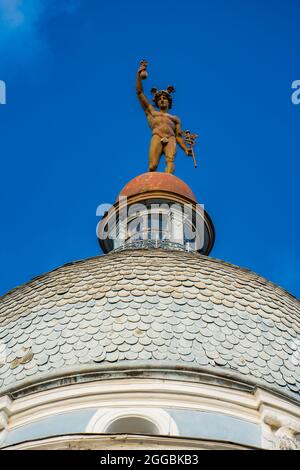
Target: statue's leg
point(155, 152)
point(170, 152)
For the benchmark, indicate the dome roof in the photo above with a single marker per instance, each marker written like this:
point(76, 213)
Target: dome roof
point(163, 308)
point(155, 181)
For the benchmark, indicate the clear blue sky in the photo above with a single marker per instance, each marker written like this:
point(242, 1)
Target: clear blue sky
point(72, 132)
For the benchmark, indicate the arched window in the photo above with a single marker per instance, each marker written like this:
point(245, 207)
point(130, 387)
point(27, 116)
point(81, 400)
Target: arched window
point(153, 421)
point(132, 425)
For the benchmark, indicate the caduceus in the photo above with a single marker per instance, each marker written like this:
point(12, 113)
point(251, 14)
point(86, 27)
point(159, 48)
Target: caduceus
point(190, 139)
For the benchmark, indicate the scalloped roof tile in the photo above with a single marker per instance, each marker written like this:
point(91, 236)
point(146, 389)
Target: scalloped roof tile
point(153, 305)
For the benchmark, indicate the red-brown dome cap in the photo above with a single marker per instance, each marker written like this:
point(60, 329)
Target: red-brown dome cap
point(155, 181)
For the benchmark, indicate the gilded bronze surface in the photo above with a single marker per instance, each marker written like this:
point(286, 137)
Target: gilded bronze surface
point(166, 128)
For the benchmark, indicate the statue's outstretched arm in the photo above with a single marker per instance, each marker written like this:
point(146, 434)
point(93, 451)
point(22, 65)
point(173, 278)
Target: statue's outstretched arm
point(179, 138)
point(142, 75)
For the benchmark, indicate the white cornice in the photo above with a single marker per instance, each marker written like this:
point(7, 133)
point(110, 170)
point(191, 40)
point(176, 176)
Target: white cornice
point(144, 393)
point(123, 441)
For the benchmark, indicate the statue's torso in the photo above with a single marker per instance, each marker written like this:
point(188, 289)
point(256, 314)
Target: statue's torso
point(162, 124)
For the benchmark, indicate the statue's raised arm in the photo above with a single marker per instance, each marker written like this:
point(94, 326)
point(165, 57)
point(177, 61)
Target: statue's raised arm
point(142, 75)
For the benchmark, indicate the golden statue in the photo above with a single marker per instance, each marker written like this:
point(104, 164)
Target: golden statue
point(166, 128)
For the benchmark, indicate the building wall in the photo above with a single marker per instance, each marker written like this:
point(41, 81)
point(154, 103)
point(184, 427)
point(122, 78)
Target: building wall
point(175, 408)
point(194, 424)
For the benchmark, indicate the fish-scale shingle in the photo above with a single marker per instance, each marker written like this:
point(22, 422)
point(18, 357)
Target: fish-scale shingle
point(153, 305)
